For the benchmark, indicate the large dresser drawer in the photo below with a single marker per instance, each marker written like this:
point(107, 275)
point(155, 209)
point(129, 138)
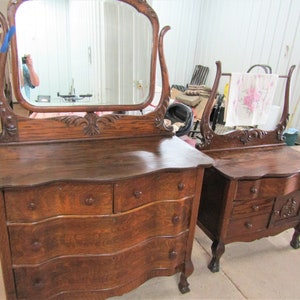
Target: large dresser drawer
point(101, 273)
point(154, 187)
point(36, 203)
point(73, 235)
point(267, 187)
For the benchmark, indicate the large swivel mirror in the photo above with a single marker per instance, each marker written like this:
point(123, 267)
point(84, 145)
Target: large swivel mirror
point(89, 54)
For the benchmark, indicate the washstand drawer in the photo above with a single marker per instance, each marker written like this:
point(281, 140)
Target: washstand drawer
point(35, 203)
point(267, 187)
point(154, 187)
point(242, 209)
point(248, 225)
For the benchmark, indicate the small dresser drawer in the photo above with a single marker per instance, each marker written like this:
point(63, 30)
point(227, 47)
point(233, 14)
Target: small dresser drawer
point(155, 187)
point(242, 209)
point(36, 203)
point(267, 187)
point(247, 225)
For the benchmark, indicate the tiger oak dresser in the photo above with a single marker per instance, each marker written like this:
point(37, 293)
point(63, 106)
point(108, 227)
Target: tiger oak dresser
point(253, 189)
point(94, 199)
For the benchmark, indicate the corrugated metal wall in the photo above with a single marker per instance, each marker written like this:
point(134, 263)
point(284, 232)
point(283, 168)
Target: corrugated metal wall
point(239, 33)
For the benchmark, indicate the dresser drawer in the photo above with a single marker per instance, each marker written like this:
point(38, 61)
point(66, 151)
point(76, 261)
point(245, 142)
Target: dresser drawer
point(36, 203)
point(155, 187)
point(267, 187)
point(247, 225)
point(78, 274)
point(242, 209)
point(37, 242)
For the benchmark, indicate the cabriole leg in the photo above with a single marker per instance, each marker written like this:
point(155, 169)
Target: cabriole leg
point(217, 249)
point(295, 242)
point(183, 284)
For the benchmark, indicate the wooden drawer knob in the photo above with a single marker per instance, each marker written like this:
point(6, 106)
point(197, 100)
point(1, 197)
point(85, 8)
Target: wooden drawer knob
point(248, 225)
point(180, 186)
point(31, 206)
point(38, 283)
point(137, 194)
point(172, 254)
point(253, 190)
point(175, 219)
point(89, 201)
point(36, 246)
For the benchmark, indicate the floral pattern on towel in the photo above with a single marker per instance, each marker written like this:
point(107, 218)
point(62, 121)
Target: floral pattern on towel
point(250, 98)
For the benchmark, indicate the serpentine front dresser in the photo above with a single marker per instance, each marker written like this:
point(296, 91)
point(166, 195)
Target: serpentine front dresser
point(95, 199)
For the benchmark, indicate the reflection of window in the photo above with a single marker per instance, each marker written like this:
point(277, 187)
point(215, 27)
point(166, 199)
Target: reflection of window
point(71, 52)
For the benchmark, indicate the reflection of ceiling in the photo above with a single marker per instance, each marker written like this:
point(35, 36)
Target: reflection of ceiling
point(75, 58)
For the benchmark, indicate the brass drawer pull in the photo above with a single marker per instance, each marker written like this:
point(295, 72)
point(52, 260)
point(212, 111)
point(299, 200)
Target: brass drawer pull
point(137, 194)
point(253, 190)
point(172, 254)
point(181, 186)
point(248, 225)
point(255, 207)
point(89, 201)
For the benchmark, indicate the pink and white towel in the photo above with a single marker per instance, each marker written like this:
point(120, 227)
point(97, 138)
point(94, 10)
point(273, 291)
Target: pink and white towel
point(250, 98)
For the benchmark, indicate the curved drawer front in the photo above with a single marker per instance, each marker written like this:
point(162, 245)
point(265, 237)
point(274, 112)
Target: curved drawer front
point(244, 209)
point(71, 235)
point(158, 256)
point(160, 186)
point(36, 203)
point(267, 187)
point(247, 225)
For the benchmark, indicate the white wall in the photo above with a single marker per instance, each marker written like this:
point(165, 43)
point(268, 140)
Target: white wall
point(239, 33)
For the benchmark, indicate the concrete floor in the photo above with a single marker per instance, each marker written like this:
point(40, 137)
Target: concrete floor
point(264, 269)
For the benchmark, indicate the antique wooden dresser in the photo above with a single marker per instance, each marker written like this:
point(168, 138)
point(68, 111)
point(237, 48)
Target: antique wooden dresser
point(94, 204)
point(253, 189)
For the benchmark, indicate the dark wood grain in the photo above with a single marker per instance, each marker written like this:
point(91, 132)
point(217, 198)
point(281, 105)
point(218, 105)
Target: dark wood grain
point(93, 206)
point(95, 160)
point(252, 190)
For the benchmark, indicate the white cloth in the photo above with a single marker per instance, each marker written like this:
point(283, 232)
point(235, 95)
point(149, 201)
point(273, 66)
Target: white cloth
point(250, 98)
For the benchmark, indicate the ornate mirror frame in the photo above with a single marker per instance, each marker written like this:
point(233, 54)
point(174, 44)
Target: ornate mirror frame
point(243, 138)
point(92, 125)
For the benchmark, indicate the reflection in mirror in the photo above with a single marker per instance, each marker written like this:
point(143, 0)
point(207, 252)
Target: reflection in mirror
point(85, 52)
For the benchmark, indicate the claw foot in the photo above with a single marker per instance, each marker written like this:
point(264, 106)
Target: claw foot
point(183, 284)
point(214, 265)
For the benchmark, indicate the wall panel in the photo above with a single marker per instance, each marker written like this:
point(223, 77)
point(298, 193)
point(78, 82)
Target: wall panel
point(240, 33)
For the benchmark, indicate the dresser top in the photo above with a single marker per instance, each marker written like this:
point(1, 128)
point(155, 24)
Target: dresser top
point(253, 163)
point(106, 160)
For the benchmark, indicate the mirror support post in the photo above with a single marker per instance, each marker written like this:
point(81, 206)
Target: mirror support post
point(8, 121)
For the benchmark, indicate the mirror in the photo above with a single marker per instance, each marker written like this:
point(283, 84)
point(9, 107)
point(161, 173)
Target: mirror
point(88, 54)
